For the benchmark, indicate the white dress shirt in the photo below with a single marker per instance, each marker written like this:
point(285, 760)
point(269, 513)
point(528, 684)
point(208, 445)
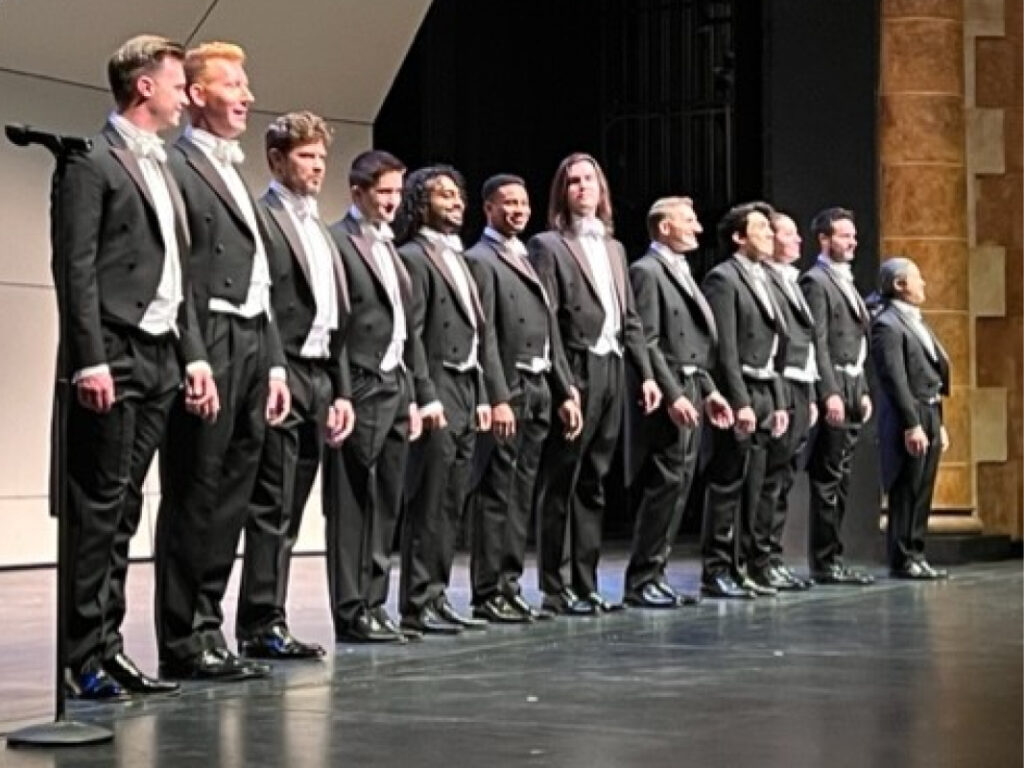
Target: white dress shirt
point(808, 372)
point(591, 234)
point(844, 272)
point(913, 315)
point(456, 267)
point(759, 278)
point(305, 217)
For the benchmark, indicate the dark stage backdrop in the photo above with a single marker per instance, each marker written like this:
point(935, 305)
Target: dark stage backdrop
point(721, 100)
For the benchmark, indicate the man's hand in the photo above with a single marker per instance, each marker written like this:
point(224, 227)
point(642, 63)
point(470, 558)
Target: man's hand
point(341, 420)
point(650, 396)
point(835, 412)
point(96, 392)
point(572, 419)
point(503, 422)
point(683, 414)
point(916, 441)
point(746, 421)
point(780, 423)
point(432, 417)
point(865, 409)
point(415, 423)
point(812, 414)
point(279, 402)
point(483, 418)
point(201, 398)
point(574, 394)
point(717, 409)
point(943, 438)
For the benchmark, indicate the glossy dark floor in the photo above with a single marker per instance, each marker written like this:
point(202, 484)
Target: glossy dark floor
point(899, 674)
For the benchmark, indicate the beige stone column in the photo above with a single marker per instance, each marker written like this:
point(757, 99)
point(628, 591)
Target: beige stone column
point(924, 207)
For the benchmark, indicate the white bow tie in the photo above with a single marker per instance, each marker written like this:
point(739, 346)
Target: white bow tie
point(306, 207)
point(757, 271)
point(790, 272)
point(382, 232)
point(515, 247)
point(151, 147)
point(227, 152)
point(842, 269)
point(590, 227)
point(452, 242)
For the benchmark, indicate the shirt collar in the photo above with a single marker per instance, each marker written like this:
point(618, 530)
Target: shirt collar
point(907, 309)
point(300, 205)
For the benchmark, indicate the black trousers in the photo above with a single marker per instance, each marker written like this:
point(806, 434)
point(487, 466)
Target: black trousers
point(108, 457)
point(829, 473)
point(910, 496)
point(570, 492)
point(783, 455)
point(664, 486)
point(362, 493)
point(291, 457)
point(438, 481)
point(503, 501)
point(207, 473)
point(731, 527)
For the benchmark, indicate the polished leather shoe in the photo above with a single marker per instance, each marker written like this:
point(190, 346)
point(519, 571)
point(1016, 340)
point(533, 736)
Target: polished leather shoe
point(388, 624)
point(724, 586)
point(447, 612)
point(792, 582)
point(843, 576)
point(770, 578)
point(912, 570)
point(518, 603)
point(649, 596)
point(669, 591)
point(429, 622)
point(497, 610)
point(597, 600)
point(218, 664)
point(565, 603)
point(759, 589)
point(133, 680)
point(364, 628)
point(93, 683)
point(277, 642)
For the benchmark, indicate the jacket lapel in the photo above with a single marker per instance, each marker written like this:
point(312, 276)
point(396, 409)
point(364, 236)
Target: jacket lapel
point(435, 252)
point(341, 279)
point(520, 266)
point(573, 245)
point(201, 163)
point(284, 223)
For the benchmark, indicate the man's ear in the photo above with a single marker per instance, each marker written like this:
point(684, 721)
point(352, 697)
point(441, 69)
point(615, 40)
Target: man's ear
point(197, 94)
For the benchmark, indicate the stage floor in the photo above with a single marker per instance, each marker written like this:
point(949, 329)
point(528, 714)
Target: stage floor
point(899, 674)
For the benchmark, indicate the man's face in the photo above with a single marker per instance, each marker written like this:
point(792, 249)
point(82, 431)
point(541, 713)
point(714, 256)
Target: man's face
point(379, 203)
point(759, 240)
point(679, 229)
point(223, 98)
point(445, 205)
point(841, 245)
point(787, 240)
point(911, 286)
point(164, 91)
point(302, 169)
point(584, 190)
point(508, 209)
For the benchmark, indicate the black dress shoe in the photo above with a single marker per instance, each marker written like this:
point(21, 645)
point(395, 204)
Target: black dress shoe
point(518, 603)
point(383, 619)
point(447, 612)
point(278, 642)
point(936, 573)
point(602, 605)
point(565, 603)
point(759, 589)
point(724, 586)
point(649, 596)
point(93, 683)
point(769, 577)
point(365, 629)
point(429, 622)
point(218, 664)
point(133, 680)
point(497, 610)
point(912, 571)
point(793, 583)
point(843, 576)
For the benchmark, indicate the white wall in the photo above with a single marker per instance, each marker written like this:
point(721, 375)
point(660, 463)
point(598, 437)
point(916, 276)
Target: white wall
point(57, 84)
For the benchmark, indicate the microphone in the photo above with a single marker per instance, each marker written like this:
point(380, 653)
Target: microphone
point(24, 135)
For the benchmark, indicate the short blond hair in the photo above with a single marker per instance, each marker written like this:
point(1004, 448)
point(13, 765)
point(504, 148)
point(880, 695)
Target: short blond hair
point(660, 211)
point(139, 56)
point(198, 59)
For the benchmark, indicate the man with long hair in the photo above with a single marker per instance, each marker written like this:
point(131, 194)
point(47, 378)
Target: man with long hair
point(583, 269)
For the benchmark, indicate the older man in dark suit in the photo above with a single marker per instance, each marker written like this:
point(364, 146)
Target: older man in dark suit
point(121, 242)
point(751, 329)
point(913, 371)
point(530, 371)
point(841, 346)
point(583, 269)
point(208, 469)
point(311, 306)
point(682, 340)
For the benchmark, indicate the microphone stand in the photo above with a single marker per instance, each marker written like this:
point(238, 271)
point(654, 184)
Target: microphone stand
point(62, 731)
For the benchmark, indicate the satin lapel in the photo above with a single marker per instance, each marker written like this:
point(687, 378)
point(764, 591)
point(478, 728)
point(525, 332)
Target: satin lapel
point(404, 281)
point(749, 282)
point(799, 306)
point(526, 272)
point(618, 274)
point(180, 215)
point(673, 274)
point(131, 165)
point(573, 244)
point(691, 293)
point(201, 163)
point(434, 252)
point(365, 249)
point(284, 223)
point(856, 304)
point(339, 269)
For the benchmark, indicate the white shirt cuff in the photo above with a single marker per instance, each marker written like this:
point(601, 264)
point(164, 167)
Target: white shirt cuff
point(432, 408)
point(278, 373)
point(91, 370)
